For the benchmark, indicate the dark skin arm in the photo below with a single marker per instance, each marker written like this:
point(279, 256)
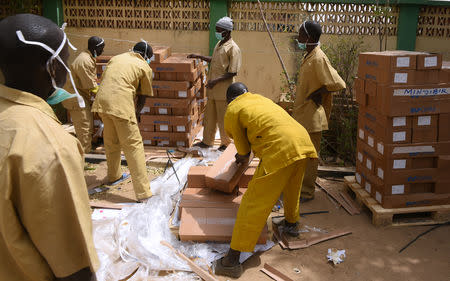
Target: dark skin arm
point(316, 96)
point(211, 83)
point(139, 105)
point(195, 56)
point(83, 275)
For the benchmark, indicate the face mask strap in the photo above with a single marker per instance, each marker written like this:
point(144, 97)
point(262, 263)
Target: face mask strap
point(55, 55)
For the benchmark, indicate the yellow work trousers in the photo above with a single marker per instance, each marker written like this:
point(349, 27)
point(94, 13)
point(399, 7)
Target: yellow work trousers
point(215, 115)
point(120, 134)
point(309, 181)
point(259, 199)
point(83, 122)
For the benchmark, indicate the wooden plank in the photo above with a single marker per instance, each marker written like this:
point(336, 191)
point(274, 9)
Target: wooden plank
point(274, 273)
point(197, 269)
point(335, 195)
point(350, 202)
point(106, 205)
point(293, 245)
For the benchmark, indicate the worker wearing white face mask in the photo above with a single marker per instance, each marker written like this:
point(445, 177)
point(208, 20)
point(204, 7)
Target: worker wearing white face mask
point(45, 218)
point(317, 80)
point(225, 64)
point(127, 77)
point(85, 77)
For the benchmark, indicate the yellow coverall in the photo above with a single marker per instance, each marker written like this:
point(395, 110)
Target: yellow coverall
point(283, 147)
point(45, 218)
point(85, 77)
point(315, 73)
point(125, 76)
point(225, 59)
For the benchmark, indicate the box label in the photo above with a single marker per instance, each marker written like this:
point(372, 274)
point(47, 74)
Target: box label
point(358, 178)
point(181, 128)
point(424, 121)
point(380, 148)
point(361, 134)
point(360, 157)
point(149, 142)
point(370, 141)
point(378, 197)
point(163, 127)
point(162, 110)
point(400, 164)
point(145, 109)
point(421, 92)
point(369, 164)
point(403, 62)
point(430, 61)
point(162, 143)
point(401, 77)
point(380, 173)
point(181, 143)
point(368, 187)
point(399, 136)
point(182, 94)
point(413, 149)
point(398, 189)
point(399, 121)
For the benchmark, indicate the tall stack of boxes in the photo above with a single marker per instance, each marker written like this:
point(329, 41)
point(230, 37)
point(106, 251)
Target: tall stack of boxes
point(403, 140)
point(174, 115)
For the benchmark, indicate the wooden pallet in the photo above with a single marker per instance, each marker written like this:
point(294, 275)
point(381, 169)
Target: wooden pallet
point(425, 215)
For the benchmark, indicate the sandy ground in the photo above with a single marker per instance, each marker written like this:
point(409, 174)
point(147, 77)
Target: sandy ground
point(372, 253)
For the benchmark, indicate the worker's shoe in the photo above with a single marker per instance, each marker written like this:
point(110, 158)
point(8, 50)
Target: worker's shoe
point(202, 145)
point(234, 271)
point(291, 229)
point(222, 147)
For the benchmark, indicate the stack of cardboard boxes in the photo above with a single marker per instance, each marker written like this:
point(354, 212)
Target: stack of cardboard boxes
point(403, 140)
point(208, 214)
point(174, 115)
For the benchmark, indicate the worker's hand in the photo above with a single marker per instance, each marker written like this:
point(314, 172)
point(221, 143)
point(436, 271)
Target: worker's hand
point(240, 159)
point(210, 84)
point(316, 97)
point(138, 116)
point(192, 56)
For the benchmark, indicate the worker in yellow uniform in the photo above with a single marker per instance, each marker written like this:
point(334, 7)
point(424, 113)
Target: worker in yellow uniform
point(45, 218)
point(84, 73)
point(283, 146)
point(317, 80)
point(127, 77)
point(224, 66)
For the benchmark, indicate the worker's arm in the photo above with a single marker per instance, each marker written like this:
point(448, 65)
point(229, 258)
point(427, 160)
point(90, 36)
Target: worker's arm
point(237, 132)
point(139, 105)
point(83, 275)
point(195, 56)
point(318, 95)
point(211, 83)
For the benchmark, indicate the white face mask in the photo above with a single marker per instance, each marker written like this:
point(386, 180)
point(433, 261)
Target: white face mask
point(58, 94)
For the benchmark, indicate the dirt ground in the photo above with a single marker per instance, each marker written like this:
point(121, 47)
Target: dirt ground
point(372, 252)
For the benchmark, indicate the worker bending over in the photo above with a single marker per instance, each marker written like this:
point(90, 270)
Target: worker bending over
point(84, 73)
point(317, 80)
point(283, 147)
point(127, 77)
point(45, 218)
point(224, 66)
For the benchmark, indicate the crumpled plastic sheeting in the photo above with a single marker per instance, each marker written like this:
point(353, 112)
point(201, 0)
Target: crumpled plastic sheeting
point(336, 256)
point(131, 240)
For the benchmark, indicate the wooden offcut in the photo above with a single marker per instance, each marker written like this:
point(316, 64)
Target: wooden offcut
point(274, 273)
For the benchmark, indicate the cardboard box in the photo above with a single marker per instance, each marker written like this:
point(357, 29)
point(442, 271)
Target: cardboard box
point(174, 64)
point(155, 76)
point(190, 75)
point(165, 94)
point(160, 110)
point(429, 61)
point(148, 142)
point(172, 139)
point(167, 76)
point(444, 73)
point(225, 173)
point(167, 120)
point(444, 127)
point(412, 200)
point(211, 224)
point(425, 121)
point(384, 131)
point(171, 85)
point(146, 127)
point(161, 53)
point(163, 128)
point(196, 177)
point(246, 177)
point(103, 59)
point(443, 164)
point(167, 103)
point(178, 89)
point(420, 135)
point(427, 77)
point(191, 109)
point(194, 197)
point(413, 100)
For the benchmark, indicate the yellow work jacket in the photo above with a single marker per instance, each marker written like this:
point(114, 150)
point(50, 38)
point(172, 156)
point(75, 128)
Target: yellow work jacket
point(226, 58)
point(257, 123)
point(315, 73)
point(125, 76)
point(84, 74)
point(45, 218)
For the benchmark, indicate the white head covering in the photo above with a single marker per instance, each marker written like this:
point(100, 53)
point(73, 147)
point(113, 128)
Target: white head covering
point(225, 23)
